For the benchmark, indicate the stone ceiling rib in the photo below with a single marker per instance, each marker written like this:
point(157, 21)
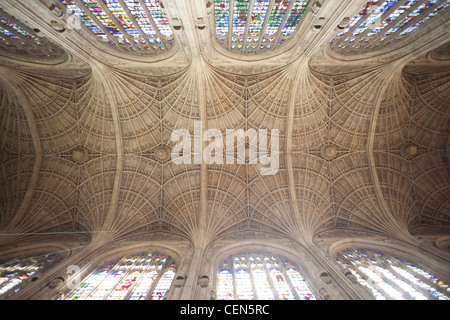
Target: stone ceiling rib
point(102, 146)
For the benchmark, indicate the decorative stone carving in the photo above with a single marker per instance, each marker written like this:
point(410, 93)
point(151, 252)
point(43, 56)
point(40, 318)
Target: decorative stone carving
point(55, 283)
point(324, 294)
point(179, 280)
point(162, 154)
point(200, 23)
point(344, 23)
point(409, 150)
point(351, 277)
point(325, 277)
point(328, 152)
point(80, 155)
point(57, 26)
point(204, 281)
point(316, 7)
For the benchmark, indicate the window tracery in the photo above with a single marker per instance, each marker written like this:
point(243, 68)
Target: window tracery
point(131, 26)
point(17, 271)
point(261, 276)
point(391, 278)
point(143, 277)
point(18, 40)
point(257, 26)
point(381, 23)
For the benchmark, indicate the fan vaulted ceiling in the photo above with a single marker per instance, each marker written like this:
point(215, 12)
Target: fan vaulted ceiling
point(87, 114)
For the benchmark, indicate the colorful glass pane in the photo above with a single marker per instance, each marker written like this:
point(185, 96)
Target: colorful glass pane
point(240, 17)
point(161, 21)
point(262, 277)
point(294, 17)
point(16, 271)
point(398, 20)
point(262, 285)
point(145, 26)
point(225, 285)
point(276, 16)
point(390, 278)
point(244, 289)
point(284, 292)
point(142, 288)
point(300, 285)
point(163, 285)
point(258, 16)
point(131, 278)
point(222, 17)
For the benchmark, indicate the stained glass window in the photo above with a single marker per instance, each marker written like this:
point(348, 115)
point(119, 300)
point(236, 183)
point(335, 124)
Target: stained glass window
point(257, 25)
point(144, 277)
point(390, 278)
point(380, 23)
point(18, 271)
point(260, 276)
point(131, 26)
point(19, 41)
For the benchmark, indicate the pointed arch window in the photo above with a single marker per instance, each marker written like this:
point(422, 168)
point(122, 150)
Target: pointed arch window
point(16, 272)
point(143, 277)
point(19, 41)
point(261, 276)
point(257, 26)
point(392, 278)
point(381, 23)
point(131, 26)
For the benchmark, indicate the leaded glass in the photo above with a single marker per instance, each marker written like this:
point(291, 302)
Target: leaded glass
point(19, 41)
point(391, 278)
point(131, 26)
point(257, 25)
point(147, 276)
point(16, 271)
point(260, 276)
point(225, 285)
point(381, 23)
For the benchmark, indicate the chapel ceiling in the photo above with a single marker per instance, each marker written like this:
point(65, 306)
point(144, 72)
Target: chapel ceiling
point(363, 141)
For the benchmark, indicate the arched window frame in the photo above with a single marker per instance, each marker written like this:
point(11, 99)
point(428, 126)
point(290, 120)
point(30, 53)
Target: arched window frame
point(379, 282)
point(20, 42)
point(244, 42)
point(25, 270)
point(281, 263)
point(356, 38)
point(117, 264)
point(104, 23)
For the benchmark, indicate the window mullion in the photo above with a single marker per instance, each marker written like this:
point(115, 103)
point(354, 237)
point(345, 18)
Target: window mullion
point(277, 34)
point(398, 19)
point(99, 24)
point(265, 24)
point(392, 283)
point(136, 24)
point(130, 290)
point(106, 277)
point(416, 287)
point(417, 18)
point(288, 279)
point(247, 24)
point(19, 35)
point(155, 283)
point(250, 273)
point(154, 25)
point(118, 25)
point(272, 285)
point(125, 274)
point(355, 26)
point(230, 30)
point(423, 278)
point(385, 15)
